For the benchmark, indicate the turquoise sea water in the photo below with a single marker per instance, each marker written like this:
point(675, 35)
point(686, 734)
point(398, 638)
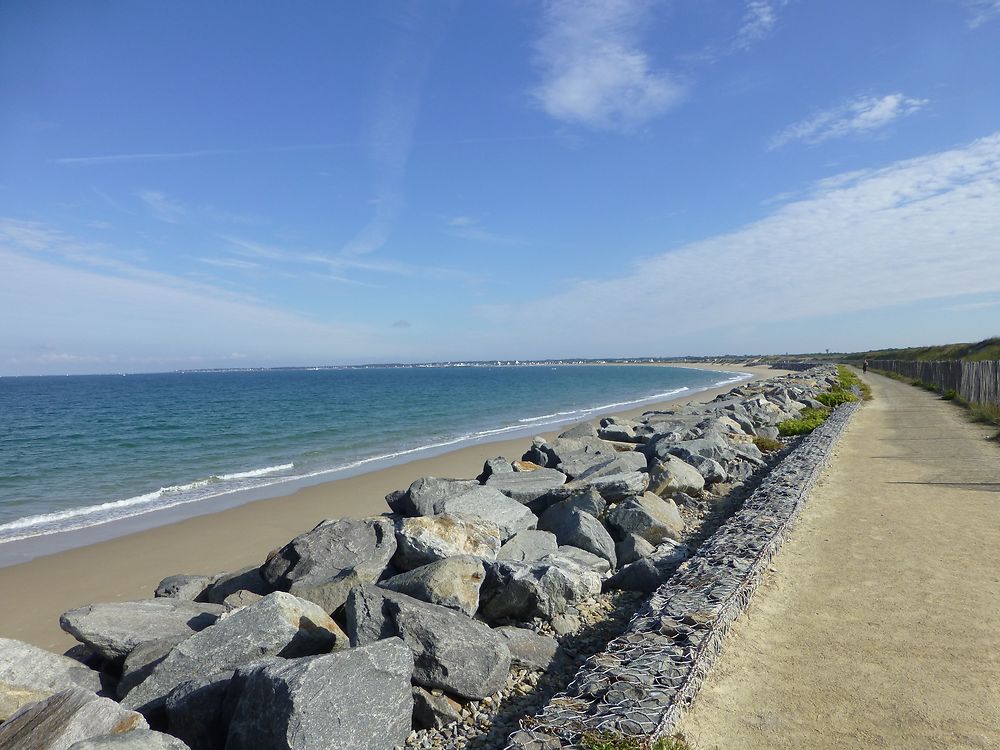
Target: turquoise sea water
point(84, 450)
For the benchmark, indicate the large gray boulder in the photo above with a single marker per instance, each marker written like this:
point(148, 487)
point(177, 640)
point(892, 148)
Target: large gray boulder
point(529, 649)
point(142, 660)
point(358, 699)
point(113, 629)
point(453, 582)
point(518, 591)
point(323, 565)
point(579, 529)
point(582, 430)
point(425, 495)
point(588, 500)
point(29, 674)
point(182, 586)
point(648, 516)
point(498, 465)
point(64, 718)
point(527, 486)
point(137, 739)
point(572, 558)
point(426, 539)
point(227, 584)
point(633, 548)
point(712, 446)
point(195, 711)
point(451, 651)
point(671, 474)
point(279, 624)
point(528, 545)
point(489, 504)
point(648, 573)
point(614, 487)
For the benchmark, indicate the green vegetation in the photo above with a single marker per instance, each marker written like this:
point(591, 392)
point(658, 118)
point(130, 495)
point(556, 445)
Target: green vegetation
point(611, 741)
point(847, 379)
point(807, 421)
point(982, 350)
point(836, 398)
point(768, 445)
point(950, 395)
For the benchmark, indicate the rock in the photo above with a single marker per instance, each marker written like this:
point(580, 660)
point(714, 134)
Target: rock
point(451, 651)
point(226, 584)
point(621, 433)
point(434, 711)
point(579, 529)
point(453, 582)
point(633, 548)
point(564, 624)
point(195, 711)
point(518, 591)
point(425, 495)
point(498, 465)
point(584, 465)
point(528, 545)
point(323, 565)
point(279, 624)
point(241, 598)
point(523, 465)
point(588, 500)
point(64, 718)
point(359, 699)
point(648, 573)
point(488, 504)
point(709, 468)
point(648, 516)
point(141, 661)
point(113, 629)
point(29, 674)
point(615, 487)
point(137, 739)
point(671, 474)
point(526, 486)
point(584, 429)
point(426, 539)
point(528, 649)
point(182, 586)
point(713, 446)
point(570, 556)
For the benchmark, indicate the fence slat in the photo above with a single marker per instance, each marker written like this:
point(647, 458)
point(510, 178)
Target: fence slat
point(976, 382)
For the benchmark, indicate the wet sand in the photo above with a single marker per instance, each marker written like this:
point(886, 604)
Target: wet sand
point(35, 593)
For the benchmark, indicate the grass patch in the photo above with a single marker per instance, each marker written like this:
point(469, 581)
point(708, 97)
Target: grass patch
point(807, 421)
point(610, 741)
point(768, 445)
point(950, 395)
point(848, 379)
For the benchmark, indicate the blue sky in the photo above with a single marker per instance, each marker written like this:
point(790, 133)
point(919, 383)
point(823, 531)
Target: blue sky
point(197, 184)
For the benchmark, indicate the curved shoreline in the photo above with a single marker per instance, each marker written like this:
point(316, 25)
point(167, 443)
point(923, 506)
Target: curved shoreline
point(122, 560)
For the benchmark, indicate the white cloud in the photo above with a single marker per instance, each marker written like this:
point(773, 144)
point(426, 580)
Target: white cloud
point(163, 208)
point(759, 20)
point(921, 229)
point(862, 115)
point(470, 228)
point(594, 71)
point(981, 11)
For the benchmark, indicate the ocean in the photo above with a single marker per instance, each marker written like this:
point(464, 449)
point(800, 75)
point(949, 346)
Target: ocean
point(80, 451)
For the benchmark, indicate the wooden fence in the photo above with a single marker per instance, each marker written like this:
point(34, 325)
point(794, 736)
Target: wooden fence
point(976, 382)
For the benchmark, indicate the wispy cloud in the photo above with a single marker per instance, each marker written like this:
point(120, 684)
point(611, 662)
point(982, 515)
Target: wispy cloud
point(594, 70)
point(242, 265)
point(862, 115)
point(470, 228)
point(981, 11)
point(162, 207)
point(759, 20)
point(915, 230)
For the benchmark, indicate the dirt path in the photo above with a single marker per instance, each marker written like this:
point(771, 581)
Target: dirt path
point(879, 625)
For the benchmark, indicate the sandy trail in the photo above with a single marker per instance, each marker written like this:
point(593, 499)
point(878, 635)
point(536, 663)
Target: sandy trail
point(879, 625)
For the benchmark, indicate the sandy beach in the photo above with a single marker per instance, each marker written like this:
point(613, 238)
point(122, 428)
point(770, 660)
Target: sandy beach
point(127, 567)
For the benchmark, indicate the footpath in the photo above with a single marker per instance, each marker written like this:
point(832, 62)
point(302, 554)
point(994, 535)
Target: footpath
point(879, 623)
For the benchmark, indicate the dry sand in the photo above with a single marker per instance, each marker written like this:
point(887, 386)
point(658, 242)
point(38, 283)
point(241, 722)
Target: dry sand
point(879, 625)
point(35, 593)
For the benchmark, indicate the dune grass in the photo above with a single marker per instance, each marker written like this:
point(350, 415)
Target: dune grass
point(611, 741)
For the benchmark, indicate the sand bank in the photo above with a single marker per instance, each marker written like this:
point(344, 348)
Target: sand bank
point(36, 592)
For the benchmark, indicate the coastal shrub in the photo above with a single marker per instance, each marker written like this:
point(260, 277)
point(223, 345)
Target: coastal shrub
point(836, 398)
point(847, 379)
point(807, 421)
point(950, 395)
point(767, 445)
point(612, 741)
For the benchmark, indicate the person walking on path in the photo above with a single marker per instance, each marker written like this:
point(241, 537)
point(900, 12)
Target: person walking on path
point(864, 367)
